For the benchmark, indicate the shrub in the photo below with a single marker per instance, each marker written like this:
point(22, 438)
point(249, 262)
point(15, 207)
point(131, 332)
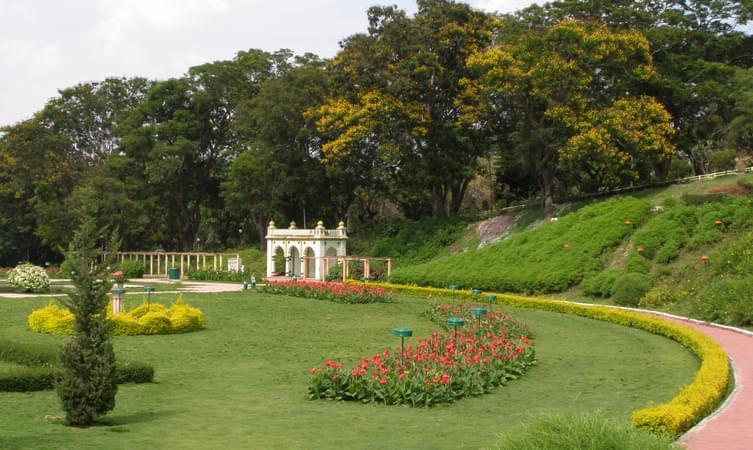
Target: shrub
point(156, 322)
point(29, 277)
point(636, 263)
point(601, 284)
point(180, 318)
point(582, 432)
point(700, 199)
point(721, 160)
point(51, 319)
point(668, 252)
point(629, 288)
point(123, 324)
point(140, 311)
point(728, 301)
point(38, 371)
point(745, 183)
point(131, 268)
point(659, 296)
point(218, 275)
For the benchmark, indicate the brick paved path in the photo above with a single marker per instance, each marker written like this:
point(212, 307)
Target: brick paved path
point(731, 427)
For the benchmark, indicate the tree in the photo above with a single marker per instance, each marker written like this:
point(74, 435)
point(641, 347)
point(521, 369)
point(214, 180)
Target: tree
point(85, 381)
point(740, 129)
point(395, 100)
point(695, 45)
point(566, 95)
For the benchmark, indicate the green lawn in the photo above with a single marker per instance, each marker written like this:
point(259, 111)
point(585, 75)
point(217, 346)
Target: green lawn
point(241, 382)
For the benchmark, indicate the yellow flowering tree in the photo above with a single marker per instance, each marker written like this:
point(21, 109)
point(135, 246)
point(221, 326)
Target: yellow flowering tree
point(567, 96)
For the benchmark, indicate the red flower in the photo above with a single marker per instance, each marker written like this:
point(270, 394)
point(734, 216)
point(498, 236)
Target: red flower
point(382, 381)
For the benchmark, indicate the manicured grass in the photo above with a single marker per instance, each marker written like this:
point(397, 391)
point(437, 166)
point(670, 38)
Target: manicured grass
point(241, 382)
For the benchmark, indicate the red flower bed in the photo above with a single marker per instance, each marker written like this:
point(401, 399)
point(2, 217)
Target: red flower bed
point(438, 369)
point(333, 291)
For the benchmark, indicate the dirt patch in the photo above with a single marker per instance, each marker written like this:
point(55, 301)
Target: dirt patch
point(494, 229)
point(732, 189)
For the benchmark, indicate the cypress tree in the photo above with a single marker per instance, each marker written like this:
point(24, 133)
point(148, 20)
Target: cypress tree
point(85, 381)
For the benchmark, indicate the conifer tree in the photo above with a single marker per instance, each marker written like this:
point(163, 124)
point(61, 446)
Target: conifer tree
point(85, 381)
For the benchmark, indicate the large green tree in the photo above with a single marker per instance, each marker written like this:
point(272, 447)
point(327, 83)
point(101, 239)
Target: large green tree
point(695, 45)
point(395, 99)
point(565, 94)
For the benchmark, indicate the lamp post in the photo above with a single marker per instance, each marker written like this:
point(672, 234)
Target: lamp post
point(475, 293)
point(491, 298)
point(403, 333)
point(453, 288)
point(455, 322)
point(478, 311)
point(116, 299)
point(148, 290)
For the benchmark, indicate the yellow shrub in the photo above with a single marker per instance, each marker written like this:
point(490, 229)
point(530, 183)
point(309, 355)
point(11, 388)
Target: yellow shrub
point(155, 322)
point(143, 319)
point(51, 319)
point(694, 401)
point(125, 325)
point(185, 318)
point(144, 308)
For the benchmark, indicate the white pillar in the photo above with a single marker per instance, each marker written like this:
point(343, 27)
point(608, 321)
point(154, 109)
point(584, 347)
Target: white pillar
point(270, 258)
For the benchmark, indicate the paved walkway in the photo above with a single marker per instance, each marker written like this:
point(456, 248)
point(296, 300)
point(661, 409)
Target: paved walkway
point(185, 286)
point(731, 426)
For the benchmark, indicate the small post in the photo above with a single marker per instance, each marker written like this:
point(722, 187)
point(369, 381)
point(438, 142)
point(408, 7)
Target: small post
point(455, 322)
point(491, 298)
point(148, 290)
point(402, 332)
point(116, 300)
point(453, 288)
point(478, 312)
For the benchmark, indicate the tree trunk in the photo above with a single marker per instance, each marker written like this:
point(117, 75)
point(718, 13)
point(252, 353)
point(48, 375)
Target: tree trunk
point(458, 192)
point(438, 198)
point(261, 230)
point(547, 186)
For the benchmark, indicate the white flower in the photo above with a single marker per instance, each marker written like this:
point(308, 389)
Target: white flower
point(29, 278)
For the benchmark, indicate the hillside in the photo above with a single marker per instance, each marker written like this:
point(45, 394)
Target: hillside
point(683, 248)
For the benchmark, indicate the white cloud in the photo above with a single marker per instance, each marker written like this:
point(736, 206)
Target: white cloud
point(119, 20)
point(503, 6)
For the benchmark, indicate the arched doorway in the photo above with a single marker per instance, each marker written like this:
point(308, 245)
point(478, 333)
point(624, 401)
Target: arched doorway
point(279, 262)
point(309, 263)
point(295, 262)
point(331, 256)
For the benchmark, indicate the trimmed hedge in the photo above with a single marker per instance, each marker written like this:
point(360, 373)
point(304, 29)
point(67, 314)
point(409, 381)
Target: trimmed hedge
point(38, 368)
point(694, 401)
point(146, 318)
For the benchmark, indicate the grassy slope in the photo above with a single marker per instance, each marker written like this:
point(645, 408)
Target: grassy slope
point(241, 383)
point(533, 260)
point(550, 258)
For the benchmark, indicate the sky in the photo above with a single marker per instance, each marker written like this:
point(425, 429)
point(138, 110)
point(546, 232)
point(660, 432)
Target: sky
point(46, 45)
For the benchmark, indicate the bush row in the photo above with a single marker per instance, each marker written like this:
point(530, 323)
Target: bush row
point(218, 275)
point(694, 401)
point(146, 318)
point(550, 258)
point(37, 371)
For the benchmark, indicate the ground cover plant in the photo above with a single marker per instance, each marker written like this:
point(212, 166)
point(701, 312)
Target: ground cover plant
point(146, 318)
point(582, 432)
point(245, 376)
point(550, 258)
point(441, 368)
point(333, 291)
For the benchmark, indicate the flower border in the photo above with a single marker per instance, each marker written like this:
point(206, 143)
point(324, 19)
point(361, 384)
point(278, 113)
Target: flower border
point(688, 407)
